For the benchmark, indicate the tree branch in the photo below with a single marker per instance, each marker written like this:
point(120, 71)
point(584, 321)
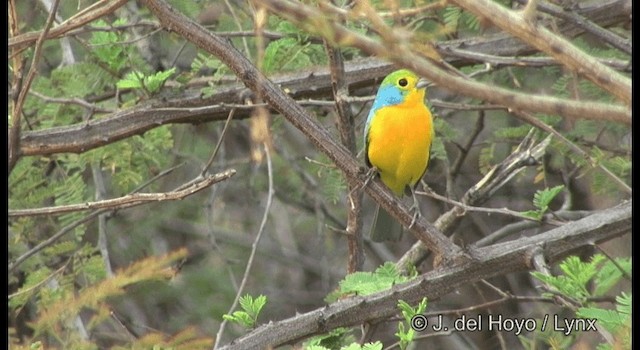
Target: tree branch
point(89, 14)
point(301, 119)
point(540, 37)
point(189, 107)
point(408, 56)
point(129, 200)
point(496, 260)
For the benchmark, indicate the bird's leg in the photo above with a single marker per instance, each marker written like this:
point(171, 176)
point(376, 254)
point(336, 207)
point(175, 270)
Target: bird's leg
point(415, 208)
point(371, 173)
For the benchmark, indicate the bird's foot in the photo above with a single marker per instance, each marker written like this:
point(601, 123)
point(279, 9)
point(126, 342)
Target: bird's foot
point(416, 214)
point(415, 208)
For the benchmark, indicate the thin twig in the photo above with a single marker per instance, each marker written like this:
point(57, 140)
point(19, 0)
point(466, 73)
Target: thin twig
point(89, 217)
point(449, 51)
point(624, 273)
point(254, 246)
point(503, 211)
point(220, 139)
point(100, 194)
point(129, 200)
point(76, 101)
point(345, 122)
point(554, 45)
point(16, 113)
point(87, 15)
point(464, 150)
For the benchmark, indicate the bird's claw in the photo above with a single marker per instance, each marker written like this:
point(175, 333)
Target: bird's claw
point(416, 214)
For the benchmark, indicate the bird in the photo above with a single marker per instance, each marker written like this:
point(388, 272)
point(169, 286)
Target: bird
point(398, 134)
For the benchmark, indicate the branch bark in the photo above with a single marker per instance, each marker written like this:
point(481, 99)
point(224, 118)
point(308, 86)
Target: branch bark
point(89, 14)
point(406, 55)
point(129, 200)
point(531, 32)
point(189, 107)
point(495, 260)
point(301, 119)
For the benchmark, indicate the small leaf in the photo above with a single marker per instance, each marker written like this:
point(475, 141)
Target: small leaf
point(542, 198)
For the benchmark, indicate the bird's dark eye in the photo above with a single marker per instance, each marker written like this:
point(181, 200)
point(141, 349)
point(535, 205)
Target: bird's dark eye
point(403, 82)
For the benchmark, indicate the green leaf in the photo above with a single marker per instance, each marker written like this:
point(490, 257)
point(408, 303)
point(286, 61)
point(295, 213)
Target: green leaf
point(251, 310)
point(406, 333)
point(240, 317)
point(577, 274)
point(451, 16)
point(624, 303)
point(365, 283)
point(534, 214)
point(133, 80)
point(372, 346)
point(151, 83)
point(258, 304)
point(609, 275)
point(335, 339)
point(368, 346)
point(542, 198)
point(156, 81)
point(609, 319)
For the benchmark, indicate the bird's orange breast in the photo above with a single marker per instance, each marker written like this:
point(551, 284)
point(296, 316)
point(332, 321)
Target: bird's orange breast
point(399, 143)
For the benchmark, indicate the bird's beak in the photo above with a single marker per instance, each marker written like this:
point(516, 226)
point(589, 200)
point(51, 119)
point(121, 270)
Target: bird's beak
point(423, 83)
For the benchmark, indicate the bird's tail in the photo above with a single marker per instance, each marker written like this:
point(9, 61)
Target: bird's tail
point(385, 227)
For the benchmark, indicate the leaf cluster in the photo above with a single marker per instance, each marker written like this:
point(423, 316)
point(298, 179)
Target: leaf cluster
point(365, 283)
point(251, 308)
point(582, 281)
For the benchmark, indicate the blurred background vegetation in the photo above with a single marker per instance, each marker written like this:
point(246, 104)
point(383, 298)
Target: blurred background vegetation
point(97, 69)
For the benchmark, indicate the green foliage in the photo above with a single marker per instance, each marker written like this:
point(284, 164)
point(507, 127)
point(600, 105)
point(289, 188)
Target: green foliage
point(513, 133)
point(203, 63)
point(610, 273)
point(406, 333)
point(445, 133)
point(485, 159)
point(611, 320)
point(365, 283)
point(581, 281)
point(149, 83)
point(541, 201)
point(574, 281)
point(368, 346)
point(291, 53)
point(78, 80)
point(331, 180)
point(33, 281)
point(352, 346)
point(131, 161)
point(455, 20)
point(620, 166)
point(250, 311)
point(335, 339)
point(107, 47)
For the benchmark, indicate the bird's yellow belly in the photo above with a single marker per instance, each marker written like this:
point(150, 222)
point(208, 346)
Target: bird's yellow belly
point(399, 142)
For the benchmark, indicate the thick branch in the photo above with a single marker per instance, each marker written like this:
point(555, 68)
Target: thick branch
point(405, 55)
point(87, 15)
point(496, 260)
point(533, 33)
point(189, 107)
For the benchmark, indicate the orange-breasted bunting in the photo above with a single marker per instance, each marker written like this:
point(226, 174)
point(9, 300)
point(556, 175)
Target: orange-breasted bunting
point(398, 135)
